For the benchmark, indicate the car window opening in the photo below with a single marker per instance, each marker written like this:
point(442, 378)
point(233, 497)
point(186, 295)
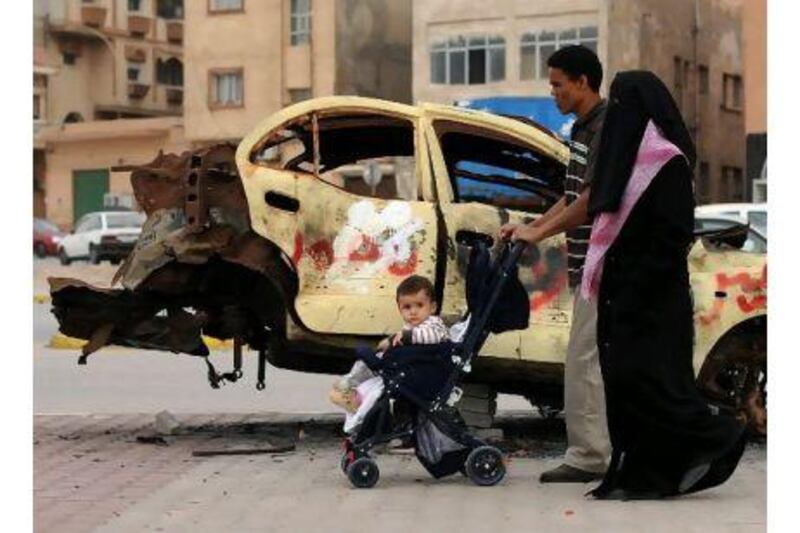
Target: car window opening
point(366, 154)
point(484, 167)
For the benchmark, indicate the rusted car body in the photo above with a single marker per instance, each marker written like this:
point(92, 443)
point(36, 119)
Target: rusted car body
point(267, 244)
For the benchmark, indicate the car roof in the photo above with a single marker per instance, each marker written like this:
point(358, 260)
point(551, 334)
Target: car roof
point(525, 132)
point(731, 219)
point(715, 208)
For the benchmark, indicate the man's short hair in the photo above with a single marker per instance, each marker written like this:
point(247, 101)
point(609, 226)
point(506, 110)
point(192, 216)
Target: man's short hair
point(414, 284)
point(576, 61)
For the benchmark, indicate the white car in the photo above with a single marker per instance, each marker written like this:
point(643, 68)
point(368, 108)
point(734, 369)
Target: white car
point(756, 239)
point(102, 235)
point(753, 214)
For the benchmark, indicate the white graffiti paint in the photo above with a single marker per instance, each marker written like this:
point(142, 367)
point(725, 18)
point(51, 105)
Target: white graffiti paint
point(391, 230)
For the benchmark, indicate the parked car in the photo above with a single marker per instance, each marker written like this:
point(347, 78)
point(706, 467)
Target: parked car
point(271, 247)
point(46, 237)
point(753, 214)
point(755, 242)
point(104, 235)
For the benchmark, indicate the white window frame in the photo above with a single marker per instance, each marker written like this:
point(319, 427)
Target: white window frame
point(217, 78)
point(464, 44)
point(536, 39)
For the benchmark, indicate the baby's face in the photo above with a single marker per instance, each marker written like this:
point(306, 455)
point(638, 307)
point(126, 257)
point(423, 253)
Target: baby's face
point(415, 308)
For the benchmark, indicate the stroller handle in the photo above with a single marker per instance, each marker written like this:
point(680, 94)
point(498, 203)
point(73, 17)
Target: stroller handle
point(517, 248)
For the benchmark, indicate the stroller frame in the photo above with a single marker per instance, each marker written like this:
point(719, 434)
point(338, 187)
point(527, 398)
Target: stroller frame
point(482, 463)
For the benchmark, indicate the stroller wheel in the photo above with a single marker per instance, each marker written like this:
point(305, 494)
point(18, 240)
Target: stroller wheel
point(363, 473)
point(485, 466)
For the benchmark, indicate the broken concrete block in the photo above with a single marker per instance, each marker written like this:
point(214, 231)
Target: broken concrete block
point(166, 423)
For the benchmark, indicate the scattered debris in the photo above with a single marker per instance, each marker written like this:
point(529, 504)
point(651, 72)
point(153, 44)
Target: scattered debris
point(166, 423)
point(152, 439)
point(248, 451)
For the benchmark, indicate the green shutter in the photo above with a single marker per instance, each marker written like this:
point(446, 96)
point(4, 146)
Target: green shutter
point(88, 189)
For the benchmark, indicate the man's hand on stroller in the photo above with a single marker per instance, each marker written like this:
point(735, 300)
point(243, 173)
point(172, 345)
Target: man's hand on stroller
point(506, 230)
point(384, 344)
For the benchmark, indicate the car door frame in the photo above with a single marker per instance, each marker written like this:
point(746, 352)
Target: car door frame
point(546, 337)
point(331, 286)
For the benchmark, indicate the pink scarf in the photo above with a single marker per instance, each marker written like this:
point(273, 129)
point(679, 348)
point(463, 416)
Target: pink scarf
point(654, 152)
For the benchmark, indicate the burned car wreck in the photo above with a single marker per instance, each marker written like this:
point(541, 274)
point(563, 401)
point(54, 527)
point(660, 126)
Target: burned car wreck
point(285, 245)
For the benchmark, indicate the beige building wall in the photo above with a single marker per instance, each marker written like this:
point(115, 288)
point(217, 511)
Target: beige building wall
point(255, 40)
point(632, 34)
point(102, 145)
point(755, 59)
point(439, 20)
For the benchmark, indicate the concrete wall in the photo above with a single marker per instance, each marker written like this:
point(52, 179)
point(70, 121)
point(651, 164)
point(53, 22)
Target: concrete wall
point(250, 40)
point(433, 20)
point(101, 145)
point(373, 48)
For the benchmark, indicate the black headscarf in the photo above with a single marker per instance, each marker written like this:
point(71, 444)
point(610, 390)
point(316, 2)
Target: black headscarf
point(636, 96)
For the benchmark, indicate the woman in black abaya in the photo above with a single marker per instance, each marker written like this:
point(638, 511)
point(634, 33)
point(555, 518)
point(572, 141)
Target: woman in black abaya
point(665, 439)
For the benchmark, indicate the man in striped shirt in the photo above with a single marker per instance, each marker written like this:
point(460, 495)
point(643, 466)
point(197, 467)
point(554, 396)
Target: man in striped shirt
point(575, 76)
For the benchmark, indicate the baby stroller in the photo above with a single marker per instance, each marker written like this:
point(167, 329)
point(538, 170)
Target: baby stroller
point(424, 378)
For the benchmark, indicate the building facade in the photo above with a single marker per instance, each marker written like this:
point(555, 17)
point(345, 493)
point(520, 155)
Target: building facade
point(246, 59)
point(99, 66)
point(465, 50)
point(754, 22)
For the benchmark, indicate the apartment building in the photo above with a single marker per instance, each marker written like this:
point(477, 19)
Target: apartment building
point(465, 50)
point(246, 59)
point(108, 91)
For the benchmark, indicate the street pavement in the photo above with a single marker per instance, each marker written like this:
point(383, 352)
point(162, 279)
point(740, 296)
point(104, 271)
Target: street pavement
point(99, 464)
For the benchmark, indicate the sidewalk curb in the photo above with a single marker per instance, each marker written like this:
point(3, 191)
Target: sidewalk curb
point(59, 341)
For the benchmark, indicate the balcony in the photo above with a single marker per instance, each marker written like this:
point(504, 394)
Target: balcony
point(135, 54)
point(139, 26)
point(94, 16)
point(138, 90)
point(175, 32)
point(174, 96)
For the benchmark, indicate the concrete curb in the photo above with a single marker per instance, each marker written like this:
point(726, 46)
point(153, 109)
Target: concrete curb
point(59, 341)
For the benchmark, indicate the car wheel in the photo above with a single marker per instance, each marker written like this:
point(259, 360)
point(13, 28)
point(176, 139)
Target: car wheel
point(94, 255)
point(63, 257)
point(40, 250)
point(735, 378)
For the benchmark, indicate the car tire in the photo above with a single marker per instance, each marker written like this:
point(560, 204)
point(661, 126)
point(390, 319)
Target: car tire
point(40, 250)
point(63, 258)
point(94, 255)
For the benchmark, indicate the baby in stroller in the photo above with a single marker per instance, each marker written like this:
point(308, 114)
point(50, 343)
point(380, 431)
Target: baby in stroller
point(424, 378)
point(356, 391)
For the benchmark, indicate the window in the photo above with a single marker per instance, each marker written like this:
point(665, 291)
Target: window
point(227, 88)
point(733, 184)
point(133, 72)
point(225, 6)
point(536, 48)
point(474, 60)
point(134, 5)
point(731, 91)
point(754, 243)
point(489, 168)
point(758, 219)
point(702, 79)
point(298, 95)
point(170, 9)
point(364, 153)
point(124, 220)
point(89, 223)
point(169, 72)
point(300, 22)
point(37, 107)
